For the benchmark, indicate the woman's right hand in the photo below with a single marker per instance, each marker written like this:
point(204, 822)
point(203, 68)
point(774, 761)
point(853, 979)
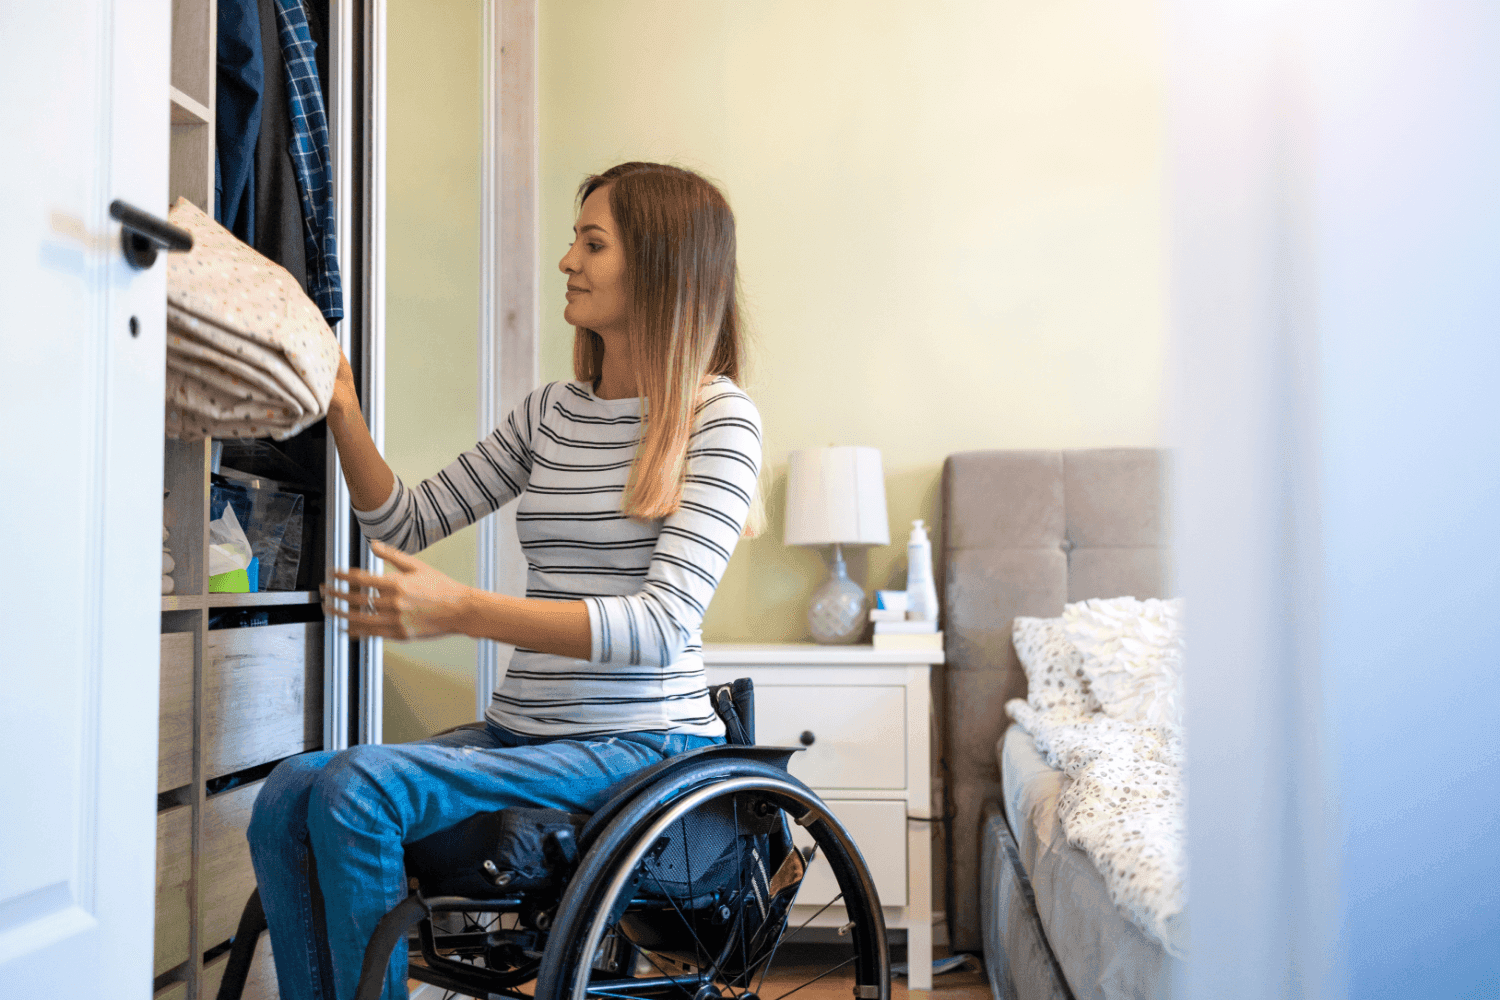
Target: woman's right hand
point(345, 396)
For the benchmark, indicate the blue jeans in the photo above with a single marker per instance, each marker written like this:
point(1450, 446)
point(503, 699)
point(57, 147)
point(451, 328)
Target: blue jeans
point(355, 808)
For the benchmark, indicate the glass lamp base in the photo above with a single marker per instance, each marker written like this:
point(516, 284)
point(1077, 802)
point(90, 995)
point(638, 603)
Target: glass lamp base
point(837, 612)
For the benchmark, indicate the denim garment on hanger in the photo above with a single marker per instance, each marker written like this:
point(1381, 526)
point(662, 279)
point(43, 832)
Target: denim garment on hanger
point(237, 116)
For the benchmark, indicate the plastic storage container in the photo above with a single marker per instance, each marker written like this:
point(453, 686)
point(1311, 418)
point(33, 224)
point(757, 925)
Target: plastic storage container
point(273, 524)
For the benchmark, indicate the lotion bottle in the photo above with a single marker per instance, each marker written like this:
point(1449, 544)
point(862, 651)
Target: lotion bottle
point(921, 592)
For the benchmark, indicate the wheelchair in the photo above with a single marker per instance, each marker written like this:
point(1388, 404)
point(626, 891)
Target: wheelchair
point(679, 888)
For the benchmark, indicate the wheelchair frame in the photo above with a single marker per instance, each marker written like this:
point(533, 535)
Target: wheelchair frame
point(601, 889)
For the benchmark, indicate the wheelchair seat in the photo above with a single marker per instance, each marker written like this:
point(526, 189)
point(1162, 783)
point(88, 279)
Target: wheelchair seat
point(451, 861)
point(679, 886)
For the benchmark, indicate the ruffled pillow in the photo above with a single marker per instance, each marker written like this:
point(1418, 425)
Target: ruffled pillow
point(1055, 675)
point(1131, 653)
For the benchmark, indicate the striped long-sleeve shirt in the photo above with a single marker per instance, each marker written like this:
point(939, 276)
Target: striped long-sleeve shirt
point(566, 454)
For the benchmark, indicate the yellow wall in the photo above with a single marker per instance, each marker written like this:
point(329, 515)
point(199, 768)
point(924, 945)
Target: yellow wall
point(950, 222)
point(435, 97)
point(950, 226)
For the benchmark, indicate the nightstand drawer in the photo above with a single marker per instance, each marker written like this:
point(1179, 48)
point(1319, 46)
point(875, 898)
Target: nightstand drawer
point(879, 829)
point(859, 732)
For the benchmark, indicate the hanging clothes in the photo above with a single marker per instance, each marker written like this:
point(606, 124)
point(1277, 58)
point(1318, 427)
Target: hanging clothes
point(248, 353)
point(310, 156)
point(278, 202)
point(317, 27)
point(237, 115)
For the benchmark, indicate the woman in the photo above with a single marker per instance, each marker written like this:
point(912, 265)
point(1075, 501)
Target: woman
point(634, 483)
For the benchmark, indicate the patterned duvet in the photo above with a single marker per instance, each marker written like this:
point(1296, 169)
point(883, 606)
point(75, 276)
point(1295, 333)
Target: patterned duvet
point(1100, 953)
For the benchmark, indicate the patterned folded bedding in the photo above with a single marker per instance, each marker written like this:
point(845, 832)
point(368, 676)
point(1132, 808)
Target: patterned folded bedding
point(248, 353)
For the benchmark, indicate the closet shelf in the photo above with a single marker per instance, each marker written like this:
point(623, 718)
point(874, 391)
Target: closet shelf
point(191, 602)
point(186, 111)
point(263, 599)
point(182, 602)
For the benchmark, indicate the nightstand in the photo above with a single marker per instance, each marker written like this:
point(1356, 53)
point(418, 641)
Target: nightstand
point(863, 715)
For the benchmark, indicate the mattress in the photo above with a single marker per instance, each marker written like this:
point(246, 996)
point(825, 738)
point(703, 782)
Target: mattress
point(1102, 954)
point(1017, 958)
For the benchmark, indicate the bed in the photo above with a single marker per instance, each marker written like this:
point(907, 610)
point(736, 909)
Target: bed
point(1025, 532)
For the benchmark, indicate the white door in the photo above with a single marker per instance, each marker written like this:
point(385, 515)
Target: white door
point(84, 121)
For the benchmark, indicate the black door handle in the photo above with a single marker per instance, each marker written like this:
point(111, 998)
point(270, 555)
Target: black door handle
point(143, 233)
point(807, 738)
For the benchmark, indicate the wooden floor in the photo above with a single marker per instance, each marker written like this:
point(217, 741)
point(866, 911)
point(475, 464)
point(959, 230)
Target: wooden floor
point(967, 983)
point(799, 963)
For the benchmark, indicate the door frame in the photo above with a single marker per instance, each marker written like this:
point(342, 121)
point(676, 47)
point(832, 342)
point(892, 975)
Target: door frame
point(353, 674)
point(509, 281)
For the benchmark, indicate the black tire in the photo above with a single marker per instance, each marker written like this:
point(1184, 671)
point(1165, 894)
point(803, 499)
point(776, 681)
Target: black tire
point(627, 897)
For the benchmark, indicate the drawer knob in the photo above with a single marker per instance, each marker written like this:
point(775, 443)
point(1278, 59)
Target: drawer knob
point(807, 738)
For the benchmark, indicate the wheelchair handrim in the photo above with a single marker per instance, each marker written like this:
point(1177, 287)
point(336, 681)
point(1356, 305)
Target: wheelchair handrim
point(684, 804)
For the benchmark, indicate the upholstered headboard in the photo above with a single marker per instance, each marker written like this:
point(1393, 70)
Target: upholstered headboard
point(1025, 532)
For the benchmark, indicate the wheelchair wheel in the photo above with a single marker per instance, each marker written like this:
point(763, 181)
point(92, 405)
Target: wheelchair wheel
point(686, 894)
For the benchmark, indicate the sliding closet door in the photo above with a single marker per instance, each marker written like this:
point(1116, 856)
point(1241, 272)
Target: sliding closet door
point(86, 114)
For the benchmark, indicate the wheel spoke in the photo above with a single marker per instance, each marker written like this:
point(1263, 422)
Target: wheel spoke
point(739, 916)
point(765, 965)
point(699, 948)
point(818, 976)
point(687, 864)
point(669, 916)
point(622, 996)
point(667, 974)
point(723, 959)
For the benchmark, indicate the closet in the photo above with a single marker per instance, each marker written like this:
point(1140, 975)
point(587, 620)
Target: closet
point(248, 679)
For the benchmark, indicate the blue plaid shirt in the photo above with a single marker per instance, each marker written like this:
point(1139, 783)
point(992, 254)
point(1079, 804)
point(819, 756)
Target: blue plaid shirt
point(310, 158)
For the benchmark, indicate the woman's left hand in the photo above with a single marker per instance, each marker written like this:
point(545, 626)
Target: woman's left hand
point(412, 601)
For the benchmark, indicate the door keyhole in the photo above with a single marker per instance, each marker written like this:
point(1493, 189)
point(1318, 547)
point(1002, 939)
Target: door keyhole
point(135, 327)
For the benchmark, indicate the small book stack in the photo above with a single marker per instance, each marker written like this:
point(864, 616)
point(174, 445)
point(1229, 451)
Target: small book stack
point(893, 630)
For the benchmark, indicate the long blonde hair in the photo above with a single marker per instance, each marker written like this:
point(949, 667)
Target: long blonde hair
point(677, 232)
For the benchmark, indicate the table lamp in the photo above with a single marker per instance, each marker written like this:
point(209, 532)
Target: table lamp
point(836, 496)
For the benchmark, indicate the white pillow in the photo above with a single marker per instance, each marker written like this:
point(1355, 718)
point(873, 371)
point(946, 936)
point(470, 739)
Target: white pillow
point(1132, 656)
point(1055, 676)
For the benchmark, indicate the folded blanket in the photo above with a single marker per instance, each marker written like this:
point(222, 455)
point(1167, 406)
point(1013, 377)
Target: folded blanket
point(248, 353)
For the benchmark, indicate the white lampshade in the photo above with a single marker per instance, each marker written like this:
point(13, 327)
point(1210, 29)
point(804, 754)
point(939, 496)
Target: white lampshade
point(836, 495)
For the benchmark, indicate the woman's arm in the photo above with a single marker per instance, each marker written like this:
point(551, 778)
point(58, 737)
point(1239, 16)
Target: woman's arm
point(414, 600)
point(481, 480)
point(417, 601)
point(370, 479)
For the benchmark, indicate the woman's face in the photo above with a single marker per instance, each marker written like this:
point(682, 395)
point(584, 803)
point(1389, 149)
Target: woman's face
point(595, 266)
